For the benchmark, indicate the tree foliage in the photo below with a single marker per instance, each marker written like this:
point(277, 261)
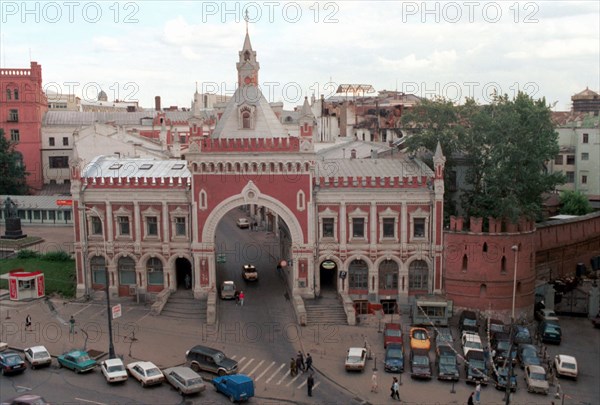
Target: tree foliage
point(504, 145)
point(574, 203)
point(12, 171)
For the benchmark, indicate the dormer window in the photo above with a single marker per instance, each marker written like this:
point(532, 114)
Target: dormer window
point(245, 117)
point(247, 55)
point(246, 120)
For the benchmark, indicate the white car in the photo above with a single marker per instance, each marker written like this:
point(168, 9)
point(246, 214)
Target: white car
point(566, 366)
point(146, 373)
point(471, 341)
point(37, 356)
point(535, 377)
point(356, 358)
point(243, 223)
point(3, 346)
point(113, 370)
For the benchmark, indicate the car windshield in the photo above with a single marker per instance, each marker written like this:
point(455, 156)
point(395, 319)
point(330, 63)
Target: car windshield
point(470, 322)
point(529, 352)
point(12, 359)
point(503, 345)
point(395, 353)
point(473, 344)
point(393, 332)
point(447, 360)
point(420, 335)
point(538, 376)
point(194, 381)
point(228, 287)
point(478, 364)
point(420, 360)
point(41, 355)
point(83, 358)
point(115, 368)
point(219, 357)
point(151, 372)
point(569, 366)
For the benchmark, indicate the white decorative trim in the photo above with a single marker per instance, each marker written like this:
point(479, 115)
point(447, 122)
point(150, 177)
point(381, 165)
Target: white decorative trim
point(300, 200)
point(202, 200)
point(358, 213)
point(419, 214)
point(328, 213)
point(395, 215)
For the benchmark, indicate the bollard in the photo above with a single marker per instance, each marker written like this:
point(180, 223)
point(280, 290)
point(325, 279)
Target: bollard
point(375, 366)
point(7, 314)
point(453, 391)
point(400, 379)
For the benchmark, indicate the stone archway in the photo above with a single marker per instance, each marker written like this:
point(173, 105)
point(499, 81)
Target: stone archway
point(251, 195)
point(183, 274)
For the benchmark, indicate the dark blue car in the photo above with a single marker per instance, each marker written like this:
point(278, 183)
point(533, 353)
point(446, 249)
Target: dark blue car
point(237, 387)
point(11, 363)
point(394, 358)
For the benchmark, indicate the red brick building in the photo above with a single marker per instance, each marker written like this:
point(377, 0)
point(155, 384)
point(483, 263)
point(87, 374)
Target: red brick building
point(22, 106)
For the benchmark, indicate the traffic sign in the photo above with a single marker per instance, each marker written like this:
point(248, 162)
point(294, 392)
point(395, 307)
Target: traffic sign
point(116, 311)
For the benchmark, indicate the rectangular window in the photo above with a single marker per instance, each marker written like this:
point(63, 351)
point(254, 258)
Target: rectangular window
point(123, 225)
point(389, 225)
point(51, 215)
point(328, 224)
point(65, 141)
point(37, 215)
point(358, 227)
point(585, 156)
point(419, 228)
point(584, 179)
point(96, 226)
point(14, 135)
point(99, 274)
point(180, 226)
point(152, 226)
point(359, 280)
point(51, 141)
point(13, 116)
point(570, 177)
point(67, 216)
point(586, 138)
point(59, 162)
point(558, 160)
point(570, 159)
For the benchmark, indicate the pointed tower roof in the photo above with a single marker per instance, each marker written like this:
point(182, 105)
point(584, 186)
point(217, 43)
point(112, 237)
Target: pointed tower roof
point(306, 111)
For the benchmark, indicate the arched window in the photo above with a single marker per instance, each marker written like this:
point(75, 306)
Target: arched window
point(126, 268)
point(246, 120)
point(358, 275)
point(98, 266)
point(247, 55)
point(418, 275)
point(482, 290)
point(503, 265)
point(485, 247)
point(16, 93)
point(8, 95)
point(388, 275)
point(465, 263)
point(154, 269)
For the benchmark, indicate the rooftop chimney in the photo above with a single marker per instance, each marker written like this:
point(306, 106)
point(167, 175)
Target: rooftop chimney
point(353, 154)
point(157, 103)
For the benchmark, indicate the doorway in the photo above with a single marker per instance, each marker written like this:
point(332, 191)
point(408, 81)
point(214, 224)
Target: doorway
point(183, 273)
point(328, 274)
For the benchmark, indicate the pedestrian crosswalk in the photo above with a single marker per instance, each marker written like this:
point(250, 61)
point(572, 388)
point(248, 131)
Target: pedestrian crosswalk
point(271, 373)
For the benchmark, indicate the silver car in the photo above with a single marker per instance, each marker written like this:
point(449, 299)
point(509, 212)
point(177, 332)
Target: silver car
point(535, 377)
point(185, 380)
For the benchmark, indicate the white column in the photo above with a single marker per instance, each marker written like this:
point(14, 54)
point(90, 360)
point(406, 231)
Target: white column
point(165, 222)
point(109, 223)
point(343, 226)
point(137, 219)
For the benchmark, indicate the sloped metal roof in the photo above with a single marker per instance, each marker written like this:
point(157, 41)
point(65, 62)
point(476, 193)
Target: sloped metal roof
point(112, 166)
point(119, 118)
point(41, 202)
point(371, 167)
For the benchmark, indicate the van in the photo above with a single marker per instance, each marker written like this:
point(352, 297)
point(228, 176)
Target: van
point(237, 387)
point(211, 360)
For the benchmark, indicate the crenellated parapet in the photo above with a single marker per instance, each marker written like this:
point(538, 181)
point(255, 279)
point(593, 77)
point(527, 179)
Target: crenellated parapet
point(372, 182)
point(249, 145)
point(490, 225)
point(251, 166)
point(136, 182)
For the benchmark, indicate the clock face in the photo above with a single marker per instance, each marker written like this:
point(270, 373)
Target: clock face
point(247, 80)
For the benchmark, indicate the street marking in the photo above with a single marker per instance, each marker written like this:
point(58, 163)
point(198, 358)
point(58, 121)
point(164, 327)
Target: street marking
point(91, 402)
point(100, 312)
point(281, 379)
point(247, 364)
point(256, 368)
point(276, 372)
point(295, 378)
point(82, 309)
point(264, 372)
point(301, 385)
point(22, 388)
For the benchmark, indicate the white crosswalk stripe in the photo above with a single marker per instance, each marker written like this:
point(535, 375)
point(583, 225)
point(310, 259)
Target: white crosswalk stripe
point(265, 372)
point(277, 372)
point(256, 368)
point(282, 372)
point(246, 365)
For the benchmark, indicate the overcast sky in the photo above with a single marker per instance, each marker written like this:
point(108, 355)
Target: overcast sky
point(139, 49)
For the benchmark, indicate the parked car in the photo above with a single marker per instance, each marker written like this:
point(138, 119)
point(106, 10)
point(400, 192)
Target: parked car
point(238, 387)
point(11, 362)
point(146, 373)
point(501, 379)
point(596, 321)
point(113, 370)
point(468, 322)
point(476, 367)
point(185, 380)
point(443, 336)
point(543, 314)
point(242, 223)
point(392, 333)
point(550, 332)
point(522, 335)
point(471, 342)
point(77, 360)
point(420, 366)
point(228, 290)
point(447, 364)
point(356, 359)
point(37, 356)
point(419, 339)
point(394, 358)
point(249, 272)
point(211, 360)
point(26, 399)
point(500, 350)
point(528, 355)
point(495, 326)
point(566, 366)
point(535, 378)
point(3, 346)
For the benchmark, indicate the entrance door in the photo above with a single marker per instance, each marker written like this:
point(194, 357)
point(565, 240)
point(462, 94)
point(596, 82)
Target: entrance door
point(328, 275)
point(183, 273)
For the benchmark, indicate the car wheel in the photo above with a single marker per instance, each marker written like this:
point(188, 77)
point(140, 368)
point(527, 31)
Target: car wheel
point(231, 398)
point(60, 364)
point(143, 384)
point(221, 373)
point(195, 367)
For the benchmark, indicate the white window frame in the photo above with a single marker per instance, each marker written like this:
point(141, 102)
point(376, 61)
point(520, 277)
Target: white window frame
point(389, 213)
point(358, 214)
point(419, 214)
point(179, 213)
point(328, 213)
point(123, 212)
point(148, 213)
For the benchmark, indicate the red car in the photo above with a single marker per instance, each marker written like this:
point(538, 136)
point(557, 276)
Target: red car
point(392, 333)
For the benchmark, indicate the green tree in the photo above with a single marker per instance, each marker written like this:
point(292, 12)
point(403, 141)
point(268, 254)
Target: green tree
point(574, 203)
point(12, 171)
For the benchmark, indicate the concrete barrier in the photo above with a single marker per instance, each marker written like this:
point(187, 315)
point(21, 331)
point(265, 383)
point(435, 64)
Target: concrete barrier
point(211, 308)
point(349, 308)
point(161, 299)
point(299, 309)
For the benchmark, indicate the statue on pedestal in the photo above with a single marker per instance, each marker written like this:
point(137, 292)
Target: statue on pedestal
point(13, 222)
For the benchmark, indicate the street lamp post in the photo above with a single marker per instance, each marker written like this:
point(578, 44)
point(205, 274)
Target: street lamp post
point(111, 347)
point(515, 249)
point(509, 373)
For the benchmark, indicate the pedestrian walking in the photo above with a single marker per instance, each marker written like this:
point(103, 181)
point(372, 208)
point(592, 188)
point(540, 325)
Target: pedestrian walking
point(241, 298)
point(374, 385)
point(293, 368)
point(478, 393)
point(309, 362)
point(395, 389)
point(310, 383)
point(188, 281)
point(301, 364)
point(72, 325)
point(470, 400)
point(27, 322)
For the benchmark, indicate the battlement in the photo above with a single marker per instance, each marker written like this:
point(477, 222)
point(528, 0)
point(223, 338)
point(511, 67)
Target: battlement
point(373, 182)
point(490, 225)
point(220, 145)
point(137, 182)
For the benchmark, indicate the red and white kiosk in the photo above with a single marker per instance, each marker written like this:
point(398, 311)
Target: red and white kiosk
point(26, 285)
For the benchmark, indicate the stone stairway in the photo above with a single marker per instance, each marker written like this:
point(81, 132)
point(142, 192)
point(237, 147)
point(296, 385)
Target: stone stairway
point(181, 304)
point(325, 310)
